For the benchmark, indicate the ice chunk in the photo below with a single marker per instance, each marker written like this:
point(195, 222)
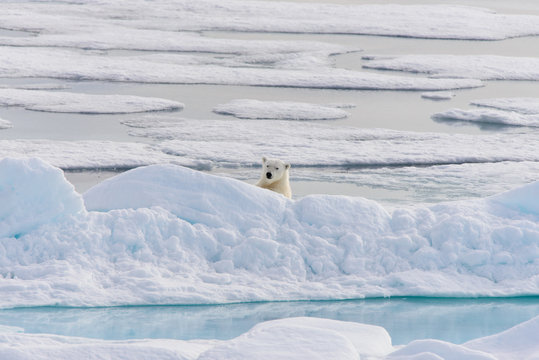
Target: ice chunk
point(438, 95)
point(5, 124)
point(33, 193)
point(283, 110)
point(84, 103)
point(305, 338)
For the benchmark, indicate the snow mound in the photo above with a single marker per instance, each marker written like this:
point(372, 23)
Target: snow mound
point(33, 193)
point(505, 111)
point(283, 110)
point(67, 102)
point(165, 234)
point(293, 338)
point(310, 338)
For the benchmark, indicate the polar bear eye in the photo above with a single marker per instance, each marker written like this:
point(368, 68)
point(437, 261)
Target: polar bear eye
point(276, 168)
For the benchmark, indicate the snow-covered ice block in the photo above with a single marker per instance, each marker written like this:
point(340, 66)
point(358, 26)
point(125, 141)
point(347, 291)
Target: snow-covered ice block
point(166, 234)
point(280, 110)
point(305, 338)
point(438, 95)
point(67, 102)
point(33, 193)
point(5, 124)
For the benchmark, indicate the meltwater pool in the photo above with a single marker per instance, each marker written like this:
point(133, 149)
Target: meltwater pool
point(406, 319)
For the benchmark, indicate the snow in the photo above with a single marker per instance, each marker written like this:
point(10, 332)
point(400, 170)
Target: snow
point(505, 111)
point(164, 234)
point(88, 154)
point(238, 143)
point(281, 110)
point(421, 21)
point(55, 101)
point(438, 95)
point(293, 338)
point(71, 65)
point(5, 124)
point(484, 67)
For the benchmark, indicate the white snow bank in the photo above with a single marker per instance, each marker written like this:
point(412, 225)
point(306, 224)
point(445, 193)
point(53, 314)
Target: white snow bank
point(84, 103)
point(5, 124)
point(506, 111)
point(424, 21)
point(33, 193)
point(166, 235)
point(484, 67)
point(238, 143)
point(292, 338)
point(64, 64)
point(281, 110)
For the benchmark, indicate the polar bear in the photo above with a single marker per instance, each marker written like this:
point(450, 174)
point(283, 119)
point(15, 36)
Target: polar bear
point(275, 176)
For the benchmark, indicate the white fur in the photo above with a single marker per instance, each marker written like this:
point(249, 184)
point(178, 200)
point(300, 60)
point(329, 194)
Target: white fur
point(278, 181)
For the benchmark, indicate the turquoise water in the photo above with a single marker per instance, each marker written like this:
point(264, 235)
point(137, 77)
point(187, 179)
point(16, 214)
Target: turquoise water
point(406, 319)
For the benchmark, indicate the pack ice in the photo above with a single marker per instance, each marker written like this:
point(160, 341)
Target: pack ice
point(165, 234)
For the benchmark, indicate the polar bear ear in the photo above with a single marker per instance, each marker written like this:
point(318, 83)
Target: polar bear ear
point(287, 166)
point(264, 160)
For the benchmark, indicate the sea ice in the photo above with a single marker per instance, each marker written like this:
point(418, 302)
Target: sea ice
point(165, 234)
point(238, 143)
point(65, 64)
point(88, 154)
point(484, 67)
point(67, 102)
point(5, 124)
point(505, 111)
point(422, 21)
point(438, 95)
point(281, 110)
point(291, 339)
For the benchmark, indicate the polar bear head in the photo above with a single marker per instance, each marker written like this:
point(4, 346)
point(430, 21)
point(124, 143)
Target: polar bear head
point(274, 170)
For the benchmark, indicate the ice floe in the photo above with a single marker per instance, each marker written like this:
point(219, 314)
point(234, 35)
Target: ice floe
point(67, 102)
point(5, 124)
point(293, 338)
point(504, 111)
point(438, 95)
point(484, 67)
point(237, 143)
point(281, 110)
point(165, 234)
point(65, 64)
point(422, 21)
point(88, 154)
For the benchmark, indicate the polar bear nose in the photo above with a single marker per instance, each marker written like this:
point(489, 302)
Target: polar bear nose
point(268, 175)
